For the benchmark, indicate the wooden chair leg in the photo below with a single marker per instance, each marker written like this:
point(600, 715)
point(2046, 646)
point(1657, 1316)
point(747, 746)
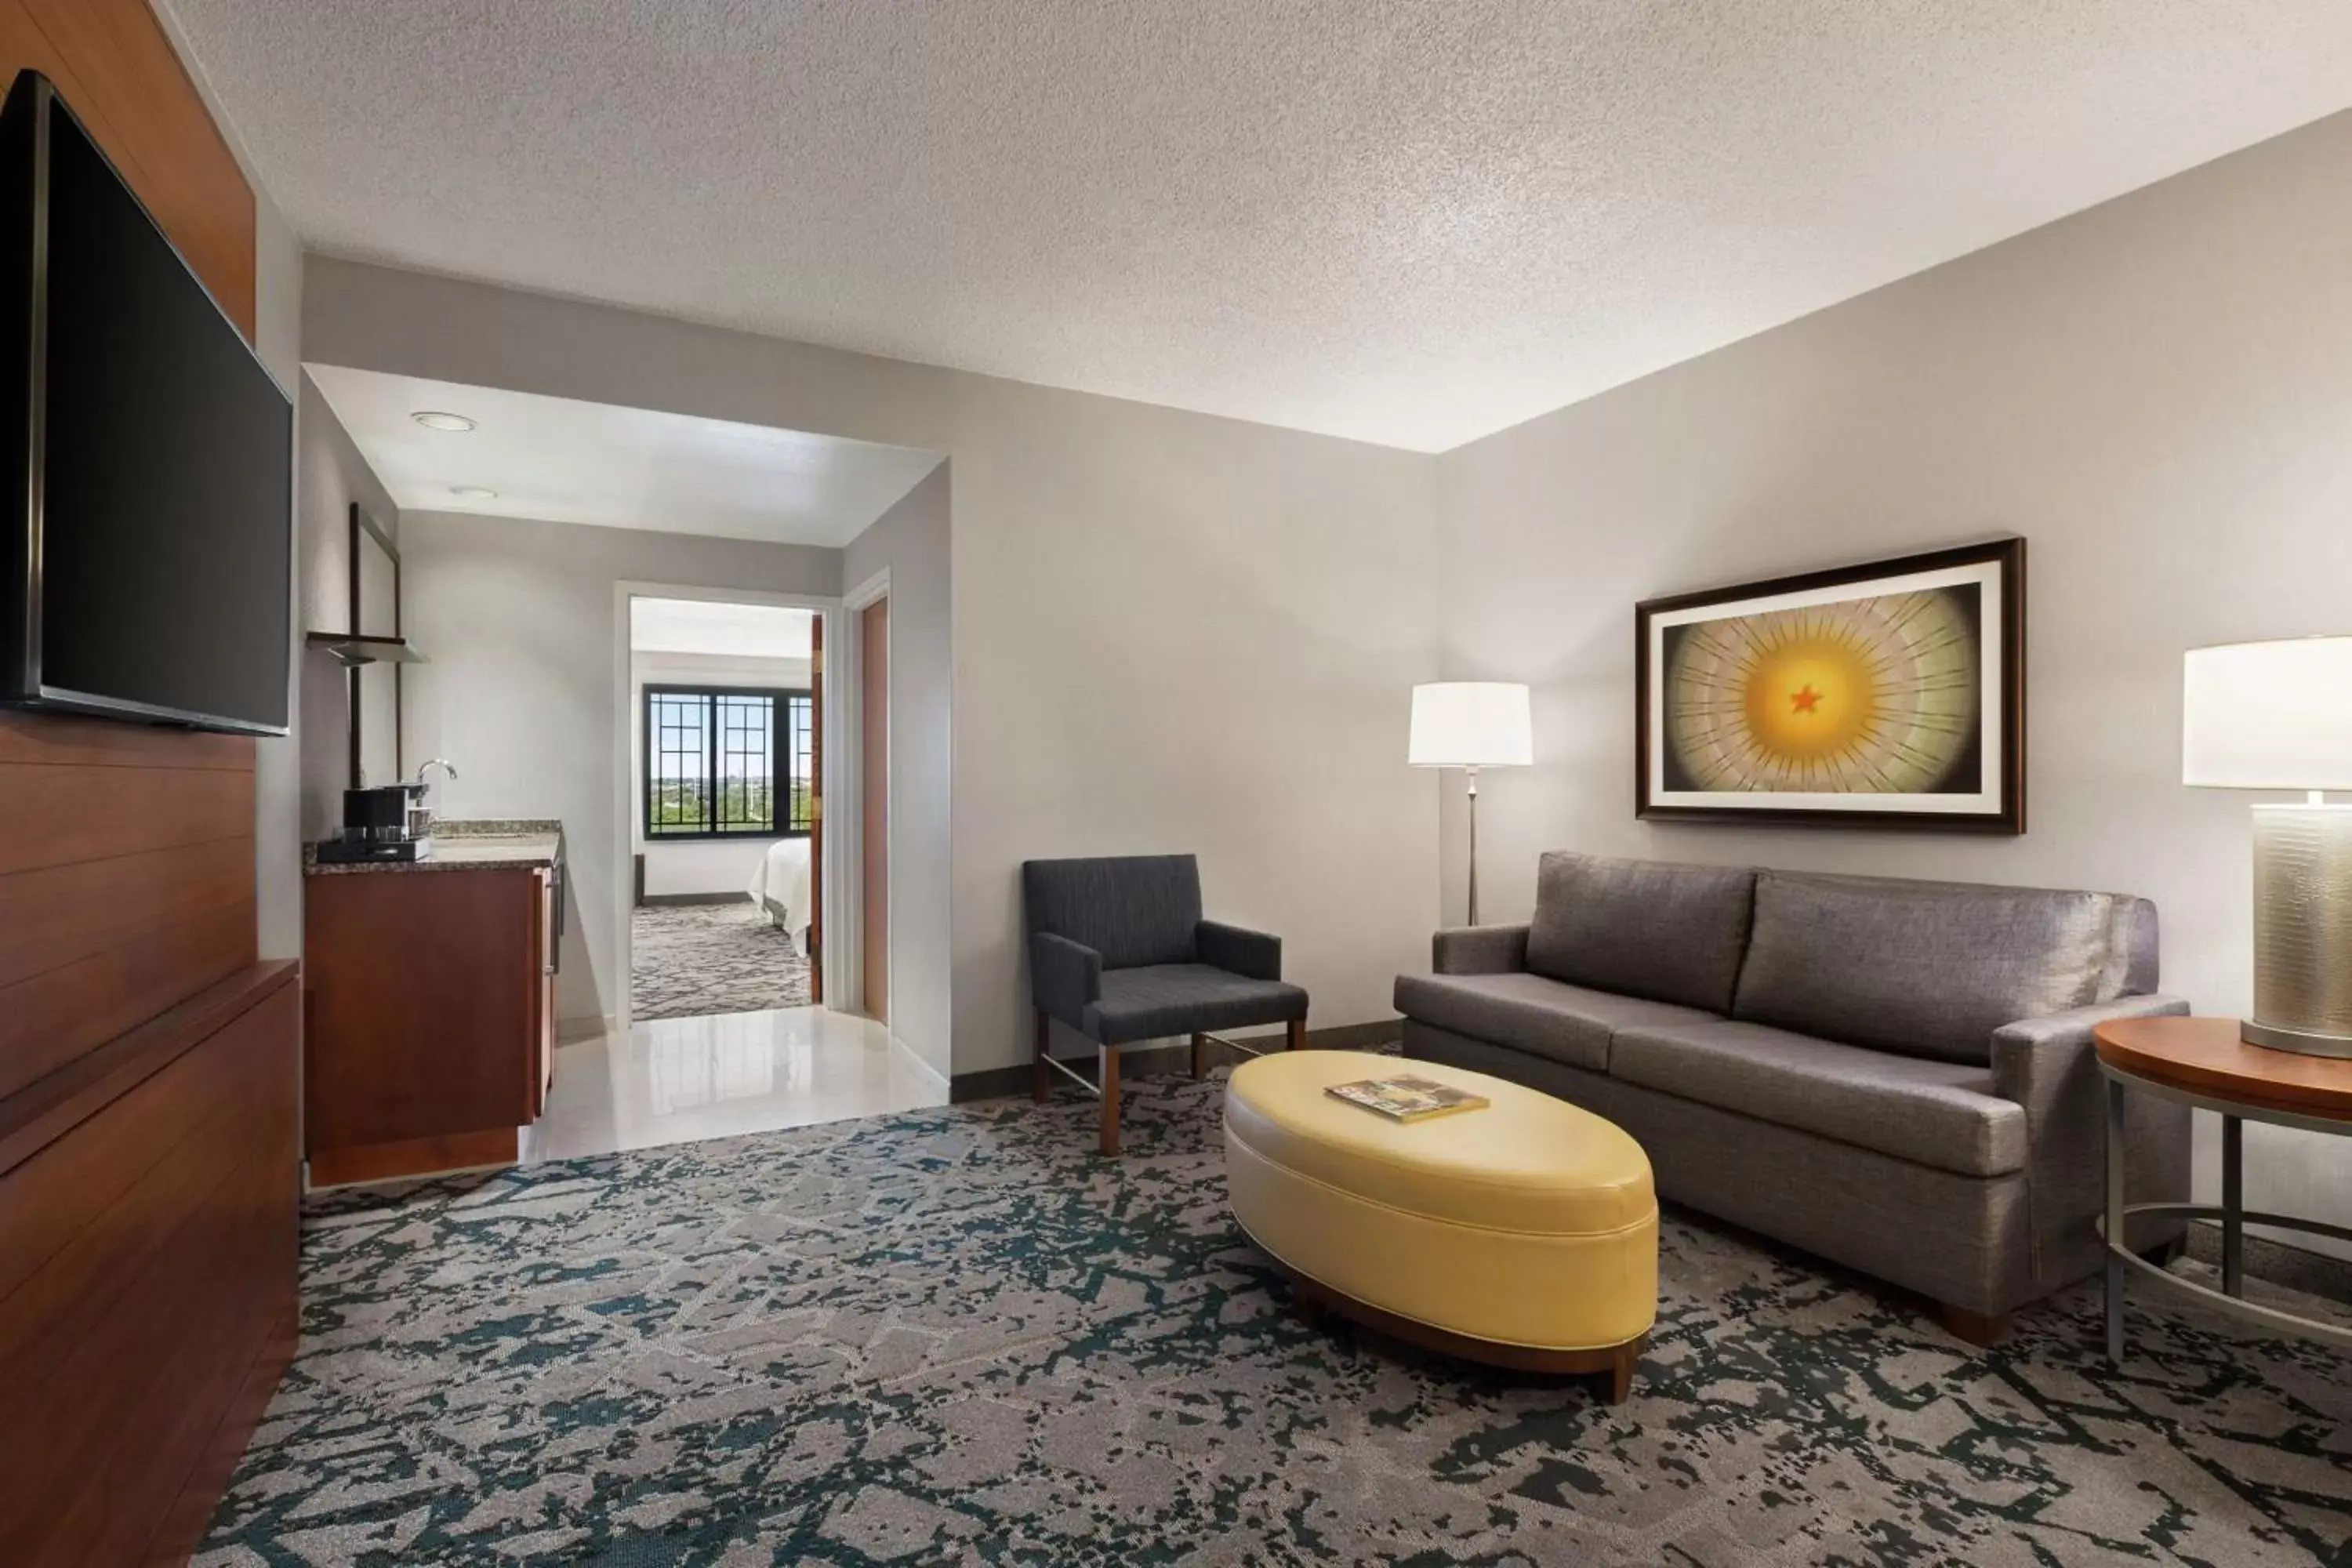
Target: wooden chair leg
point(1041, 1077)
point(1296, 1032)
point(1109, 1059)
point(1200, 1055)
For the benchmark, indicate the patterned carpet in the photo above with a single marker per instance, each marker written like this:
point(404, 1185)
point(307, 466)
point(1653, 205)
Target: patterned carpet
point(688, 960)
point(957, 1337)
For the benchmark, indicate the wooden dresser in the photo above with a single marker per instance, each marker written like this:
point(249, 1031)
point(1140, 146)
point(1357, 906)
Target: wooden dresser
point(432, 987)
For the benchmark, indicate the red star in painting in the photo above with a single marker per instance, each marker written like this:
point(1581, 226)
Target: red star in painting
point(1806, 700)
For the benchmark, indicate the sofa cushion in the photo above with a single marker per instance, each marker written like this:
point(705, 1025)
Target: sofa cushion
point(1645, 928)
point(1548, 1018)
point(1941, 1114)
point(1930, 969)
point(1159, 1000)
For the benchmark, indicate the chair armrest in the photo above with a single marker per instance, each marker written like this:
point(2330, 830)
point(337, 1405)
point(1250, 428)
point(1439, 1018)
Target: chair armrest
point(1065, 976)
point(1252, 955)
point(2049, 1066)
point(1479, 950)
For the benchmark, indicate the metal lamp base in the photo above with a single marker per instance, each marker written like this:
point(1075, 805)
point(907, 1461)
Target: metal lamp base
point(2301, 1041)
point(2302, 930)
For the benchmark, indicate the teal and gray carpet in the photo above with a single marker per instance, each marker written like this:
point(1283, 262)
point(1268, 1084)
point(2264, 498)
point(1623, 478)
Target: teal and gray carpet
point(956, 1337)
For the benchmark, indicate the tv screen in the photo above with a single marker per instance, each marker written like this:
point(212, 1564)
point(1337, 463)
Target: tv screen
point(149, 499)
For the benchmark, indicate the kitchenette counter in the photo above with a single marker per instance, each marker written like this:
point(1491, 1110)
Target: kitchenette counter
point(478, 845)
point(432, 1020)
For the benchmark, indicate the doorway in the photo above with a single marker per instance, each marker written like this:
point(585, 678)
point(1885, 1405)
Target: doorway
point(725, 741)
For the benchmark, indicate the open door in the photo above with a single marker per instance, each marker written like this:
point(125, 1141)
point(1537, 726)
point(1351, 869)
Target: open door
point(816, 810)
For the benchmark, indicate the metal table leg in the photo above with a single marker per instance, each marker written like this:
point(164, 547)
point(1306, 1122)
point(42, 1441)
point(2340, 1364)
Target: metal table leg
point(2234, 1206)
point(2115, 1239)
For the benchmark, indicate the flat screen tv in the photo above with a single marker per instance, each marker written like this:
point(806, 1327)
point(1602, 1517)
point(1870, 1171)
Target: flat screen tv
point(146, 456)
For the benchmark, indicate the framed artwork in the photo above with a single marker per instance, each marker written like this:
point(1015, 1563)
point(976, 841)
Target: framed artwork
point(1890, 694)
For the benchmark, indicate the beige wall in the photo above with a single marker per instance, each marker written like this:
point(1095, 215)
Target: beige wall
point(913, 540)
point(330, 476)
point(516, 619)
point(277, 763)
point(1169, 631)
point(2157, 393)
point(1174, 632)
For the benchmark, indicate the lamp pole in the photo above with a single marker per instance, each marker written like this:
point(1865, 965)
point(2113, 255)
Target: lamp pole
point(1473, 772)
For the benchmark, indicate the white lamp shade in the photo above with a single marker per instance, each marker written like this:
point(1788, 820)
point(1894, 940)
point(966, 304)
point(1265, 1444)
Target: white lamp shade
point(2268, 715)
point(1471, 724)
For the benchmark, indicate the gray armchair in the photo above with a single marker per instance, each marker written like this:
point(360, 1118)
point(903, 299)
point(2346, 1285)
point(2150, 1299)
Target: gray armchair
point(1119, 951)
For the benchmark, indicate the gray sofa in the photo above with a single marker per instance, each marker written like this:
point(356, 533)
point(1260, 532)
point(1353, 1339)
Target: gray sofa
point(1895, 1075)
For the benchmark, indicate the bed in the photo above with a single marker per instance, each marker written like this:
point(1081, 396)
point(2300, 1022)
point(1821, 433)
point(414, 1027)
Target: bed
point(780, 885)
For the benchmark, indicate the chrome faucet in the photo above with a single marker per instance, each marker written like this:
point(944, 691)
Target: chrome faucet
point(444, 763)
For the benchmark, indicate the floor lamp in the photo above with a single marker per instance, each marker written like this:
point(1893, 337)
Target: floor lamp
point(1471, 724)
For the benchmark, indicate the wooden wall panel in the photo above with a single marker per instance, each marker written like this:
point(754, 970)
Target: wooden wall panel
point(126, 879)
point(149, 1091)
point(120, 74)
point(146, 1266)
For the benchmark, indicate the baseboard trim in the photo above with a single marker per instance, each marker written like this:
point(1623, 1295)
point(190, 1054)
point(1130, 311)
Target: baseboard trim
point(659, 901)
point(914, 1059)
point(1148, 1061)
point(2321, 1274)
point(587, 1026)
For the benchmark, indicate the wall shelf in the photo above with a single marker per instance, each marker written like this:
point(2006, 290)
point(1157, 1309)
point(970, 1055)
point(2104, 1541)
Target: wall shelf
point(352, 652)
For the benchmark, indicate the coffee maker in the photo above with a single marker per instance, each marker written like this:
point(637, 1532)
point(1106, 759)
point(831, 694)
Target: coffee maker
point(383, 822)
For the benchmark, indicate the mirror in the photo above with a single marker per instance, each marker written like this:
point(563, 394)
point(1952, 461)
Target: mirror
point(376, 688)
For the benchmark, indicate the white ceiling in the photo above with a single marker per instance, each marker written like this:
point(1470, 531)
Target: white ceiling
point(616, 467)
point(1408, 222)
point(706, 626)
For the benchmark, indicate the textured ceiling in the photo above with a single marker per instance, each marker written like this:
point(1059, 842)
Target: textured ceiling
point(616, 467)
point(1413, 223)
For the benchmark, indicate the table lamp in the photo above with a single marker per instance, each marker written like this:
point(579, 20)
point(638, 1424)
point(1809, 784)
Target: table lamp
point(2278, 716)
point(1471, 724)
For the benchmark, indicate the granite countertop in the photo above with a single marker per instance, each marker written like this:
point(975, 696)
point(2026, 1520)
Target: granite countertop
point(476, 845)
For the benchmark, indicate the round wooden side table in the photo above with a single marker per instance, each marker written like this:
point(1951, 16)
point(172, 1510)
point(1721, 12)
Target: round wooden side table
point(2202, 1062)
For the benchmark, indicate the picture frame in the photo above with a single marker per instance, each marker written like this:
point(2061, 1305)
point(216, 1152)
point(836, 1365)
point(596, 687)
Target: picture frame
point(1889, 694)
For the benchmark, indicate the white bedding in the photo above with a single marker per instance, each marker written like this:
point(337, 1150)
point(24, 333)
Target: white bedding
point(781, 877)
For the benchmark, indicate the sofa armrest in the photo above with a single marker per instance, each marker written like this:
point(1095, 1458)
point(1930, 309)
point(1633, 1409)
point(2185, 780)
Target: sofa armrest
point(2049, 1066)
point(1065, 976)
point(1479, 950)
point(1252, 955)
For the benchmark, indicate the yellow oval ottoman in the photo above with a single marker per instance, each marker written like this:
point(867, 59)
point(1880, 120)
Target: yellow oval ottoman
point(1524, 1235)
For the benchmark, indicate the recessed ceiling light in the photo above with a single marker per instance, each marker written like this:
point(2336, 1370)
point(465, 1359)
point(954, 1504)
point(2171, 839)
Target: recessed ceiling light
point(473, 492)
point(434, 419)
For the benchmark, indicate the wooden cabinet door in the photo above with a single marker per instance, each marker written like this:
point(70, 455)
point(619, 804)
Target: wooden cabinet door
point(427, 999)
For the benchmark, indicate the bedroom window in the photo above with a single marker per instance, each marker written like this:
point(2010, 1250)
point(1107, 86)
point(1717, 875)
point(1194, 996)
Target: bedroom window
point(727, 763)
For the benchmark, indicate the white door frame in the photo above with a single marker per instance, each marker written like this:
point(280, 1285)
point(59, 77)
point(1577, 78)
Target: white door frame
point(870, 592)
point(828, 610)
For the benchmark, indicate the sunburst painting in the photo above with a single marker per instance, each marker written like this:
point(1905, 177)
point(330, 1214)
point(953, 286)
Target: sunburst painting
point(1888, 693)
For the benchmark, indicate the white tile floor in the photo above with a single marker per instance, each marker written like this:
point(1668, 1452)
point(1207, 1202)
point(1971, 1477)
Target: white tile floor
point(675, 1080)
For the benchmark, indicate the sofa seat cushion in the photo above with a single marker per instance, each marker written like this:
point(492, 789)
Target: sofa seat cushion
point(1940, 1114)
point(1162, 999)
point(1548, 1018)
point(1643, 927)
